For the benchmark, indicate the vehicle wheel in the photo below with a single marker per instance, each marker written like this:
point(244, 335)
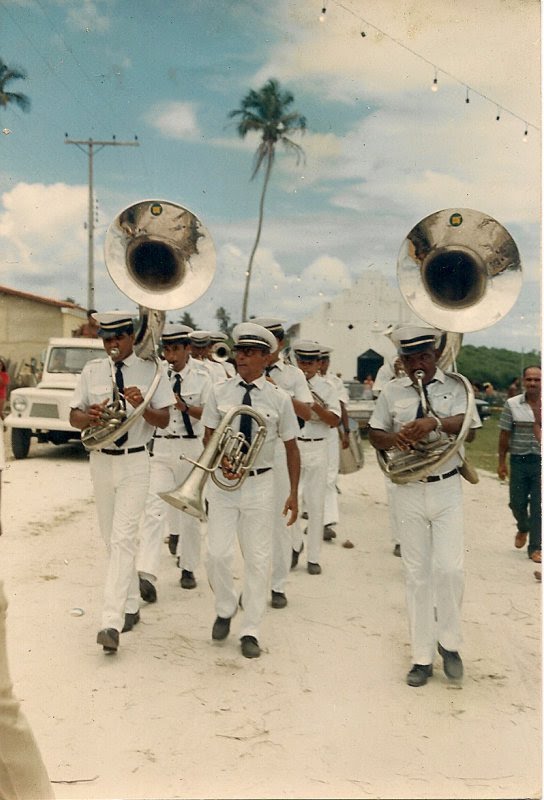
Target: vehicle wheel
point(20, 442)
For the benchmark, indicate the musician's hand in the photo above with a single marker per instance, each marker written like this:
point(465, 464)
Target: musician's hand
point(502, 472)
point(418, 429)
point(95, 412)
point(291, 505)
point(133, 396)
point(344, 440)
point(227, 470)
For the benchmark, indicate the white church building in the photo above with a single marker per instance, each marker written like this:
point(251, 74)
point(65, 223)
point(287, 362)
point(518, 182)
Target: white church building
point(352, 324)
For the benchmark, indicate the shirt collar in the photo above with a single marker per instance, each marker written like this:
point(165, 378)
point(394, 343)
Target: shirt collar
point(258, 382)
point(129, 360)
point(438, 376)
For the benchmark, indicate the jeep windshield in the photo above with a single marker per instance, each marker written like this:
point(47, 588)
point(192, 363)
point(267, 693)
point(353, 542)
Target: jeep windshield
point(71, 360)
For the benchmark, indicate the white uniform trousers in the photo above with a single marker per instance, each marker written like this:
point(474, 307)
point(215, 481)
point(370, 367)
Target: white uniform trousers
point(248, 512)
point(167, 471)
point(430, 518)
point(22, 773)
point(392, 509)
point(120, 487)
point(281, 541)
point(330, 513)
point(313, 479)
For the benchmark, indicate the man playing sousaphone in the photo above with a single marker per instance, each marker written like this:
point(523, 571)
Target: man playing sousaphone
point(430, 510)
point(247, 512)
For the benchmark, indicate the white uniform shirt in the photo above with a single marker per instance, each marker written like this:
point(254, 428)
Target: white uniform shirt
point(95, 385)
point(338, 385)
point(317, 429)
point(398, 403)
point(292, 380)
point(217, 372)
point(195, 387)
point(273, 403)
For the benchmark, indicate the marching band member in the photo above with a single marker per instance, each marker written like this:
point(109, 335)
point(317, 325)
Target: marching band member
point(430, 510)
point(168, 469)
point(200, 347)
point(313, 444)
point(120, 472)
point(292, 379)
point(330, 513)
point(248, 511)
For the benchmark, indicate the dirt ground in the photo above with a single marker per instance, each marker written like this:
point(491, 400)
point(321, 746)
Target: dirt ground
point(324, 713)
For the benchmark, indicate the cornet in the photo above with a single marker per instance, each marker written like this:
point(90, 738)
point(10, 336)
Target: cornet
point(224, 443)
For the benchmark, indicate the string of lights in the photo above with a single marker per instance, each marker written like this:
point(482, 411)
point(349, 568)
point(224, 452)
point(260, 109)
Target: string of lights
point(469, 90)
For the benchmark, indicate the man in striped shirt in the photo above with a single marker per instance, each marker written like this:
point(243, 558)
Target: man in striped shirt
point(520, 435)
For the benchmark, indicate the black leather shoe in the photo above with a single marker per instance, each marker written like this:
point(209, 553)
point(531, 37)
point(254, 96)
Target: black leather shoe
point(109, 639)
point(294, 556)
point(147, 591)
point(279, 600)
point(396, 551)
point(250, 647)
point(221, 628)
point(453, 666)
point(314, 569)
point(419, 674)
point(329, 533)
point(173, 543)
point(187, 580)
point(130, 621)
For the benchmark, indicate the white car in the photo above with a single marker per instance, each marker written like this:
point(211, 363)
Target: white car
point(43, 411)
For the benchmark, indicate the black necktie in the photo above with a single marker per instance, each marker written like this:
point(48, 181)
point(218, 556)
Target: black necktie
point(245, 419)
point(420, 413)
point(120, 383)
point(185, 414)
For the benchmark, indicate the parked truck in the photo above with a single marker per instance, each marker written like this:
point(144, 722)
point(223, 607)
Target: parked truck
point(42, 412)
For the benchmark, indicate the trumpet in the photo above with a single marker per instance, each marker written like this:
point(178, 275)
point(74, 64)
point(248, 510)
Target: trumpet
point(224, 443)
point(319, 401)
point(220, 352)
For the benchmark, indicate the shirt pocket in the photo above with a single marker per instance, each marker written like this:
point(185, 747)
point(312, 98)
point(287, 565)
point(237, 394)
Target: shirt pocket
point(404, 411)
point(442, 404)
point(101, 392)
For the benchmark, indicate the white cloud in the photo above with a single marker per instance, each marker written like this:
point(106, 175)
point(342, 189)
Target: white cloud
point(174, 120)
point(87, 16)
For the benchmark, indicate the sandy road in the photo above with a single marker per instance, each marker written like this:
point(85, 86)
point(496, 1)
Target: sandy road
point(324, 713)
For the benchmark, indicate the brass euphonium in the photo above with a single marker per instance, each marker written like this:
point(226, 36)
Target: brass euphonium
point(162, 257)
point(226, 443)
point(460, 271)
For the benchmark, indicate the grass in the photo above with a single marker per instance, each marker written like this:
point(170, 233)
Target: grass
point(482, 452)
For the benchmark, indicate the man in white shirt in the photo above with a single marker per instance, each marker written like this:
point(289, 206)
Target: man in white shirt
point(120, 471)
point(313, 444)
point(292, 379)
point(248, 511)
point(200, 348)
point(183, 436)
point(337, 436)
point(429, 511)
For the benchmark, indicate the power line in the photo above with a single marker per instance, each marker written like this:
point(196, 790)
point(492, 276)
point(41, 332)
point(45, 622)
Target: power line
point(437, 69)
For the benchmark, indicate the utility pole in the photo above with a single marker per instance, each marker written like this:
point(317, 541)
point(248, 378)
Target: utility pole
point(91, 146)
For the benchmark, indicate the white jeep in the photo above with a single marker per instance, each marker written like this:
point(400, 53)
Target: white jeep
point(43, 411)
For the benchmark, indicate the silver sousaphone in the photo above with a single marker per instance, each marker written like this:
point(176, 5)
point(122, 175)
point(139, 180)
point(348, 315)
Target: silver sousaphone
point(460, 271)
point(162, 257)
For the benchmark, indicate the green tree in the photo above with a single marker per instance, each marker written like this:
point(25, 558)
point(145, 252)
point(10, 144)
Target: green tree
point(7, 75)
point(267, 111)
point(225, 323)
point(186, 319)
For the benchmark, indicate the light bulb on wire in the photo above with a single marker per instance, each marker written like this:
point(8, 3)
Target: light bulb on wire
point(434, 87)
point(526, 133)
point(322, 15)
point(498, 117)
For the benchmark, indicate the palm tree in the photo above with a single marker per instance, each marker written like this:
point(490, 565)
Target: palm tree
point(267, 112)
point(8, 74)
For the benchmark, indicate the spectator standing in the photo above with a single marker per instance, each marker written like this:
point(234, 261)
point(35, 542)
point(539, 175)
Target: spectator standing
point(520, 435)
point(4, 383)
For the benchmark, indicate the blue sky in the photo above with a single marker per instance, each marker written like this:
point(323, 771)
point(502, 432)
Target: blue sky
point(382, 150)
